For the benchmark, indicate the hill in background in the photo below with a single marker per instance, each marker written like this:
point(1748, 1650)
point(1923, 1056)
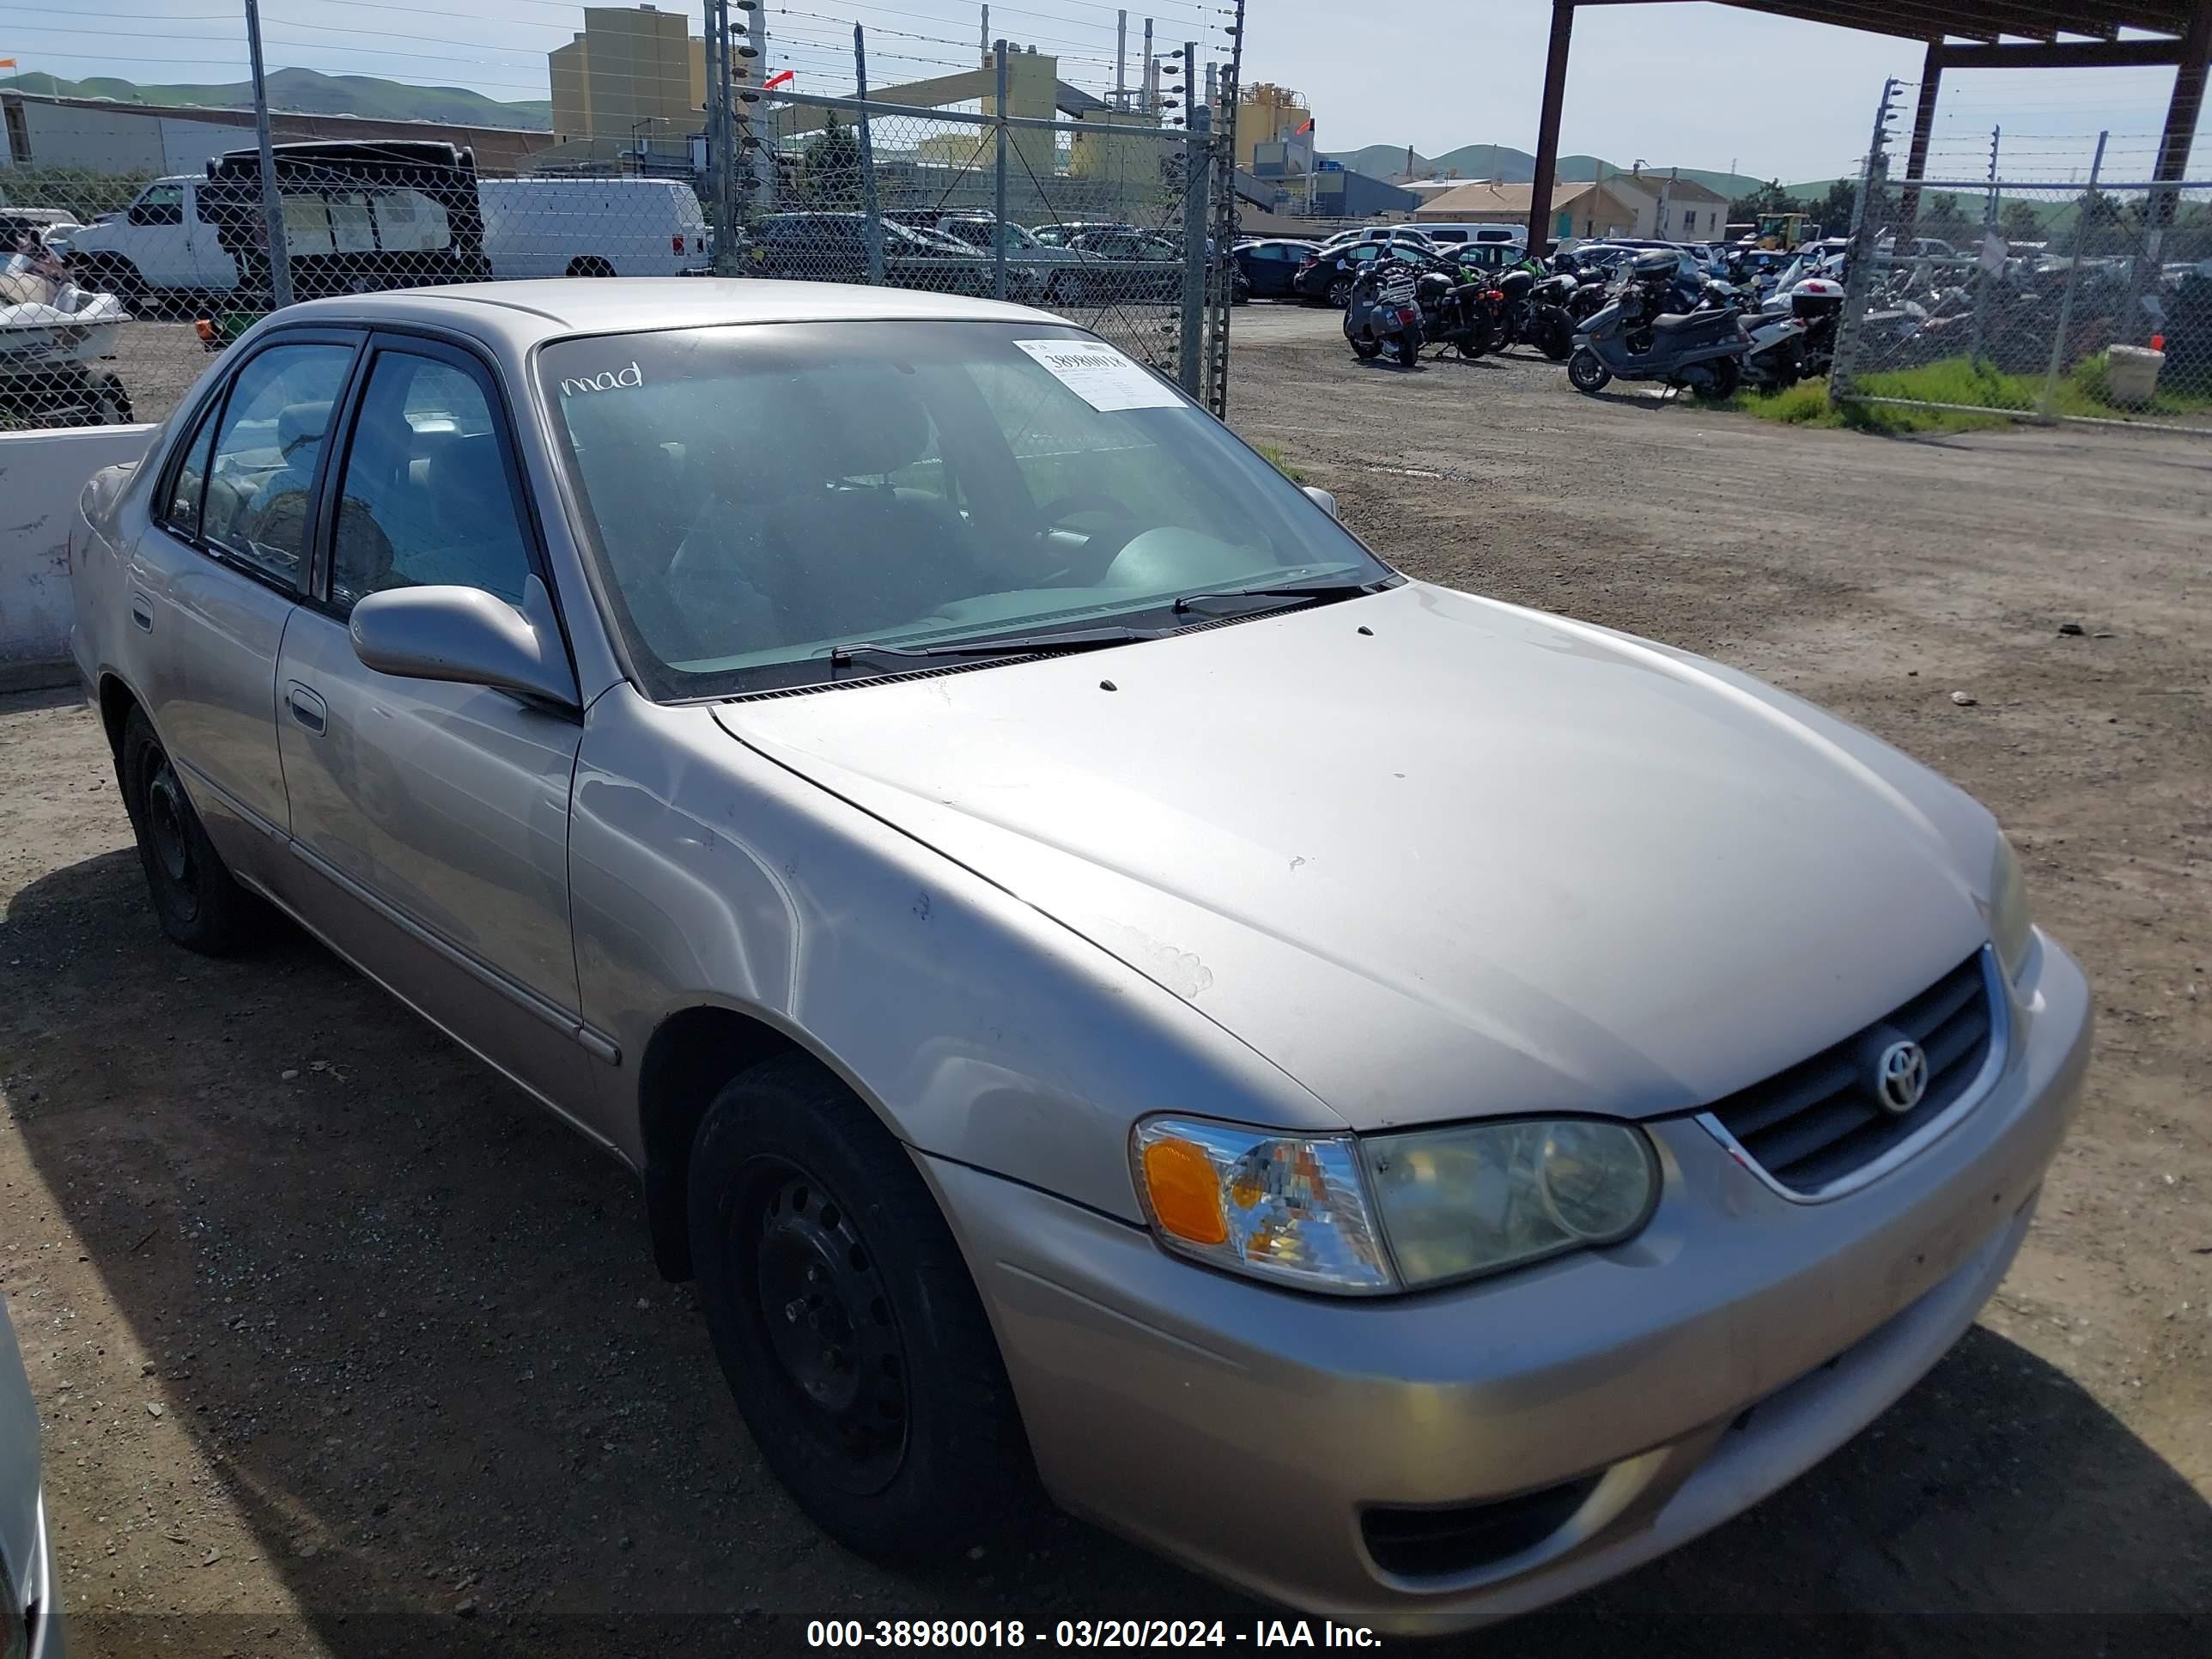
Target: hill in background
point(310, 92)
point(1518, 166)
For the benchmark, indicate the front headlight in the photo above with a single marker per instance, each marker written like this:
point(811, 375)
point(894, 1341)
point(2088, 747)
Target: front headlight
point(2012, 929)
point(1478, 1197)
point(1453, 1203)
point(1285, 1207)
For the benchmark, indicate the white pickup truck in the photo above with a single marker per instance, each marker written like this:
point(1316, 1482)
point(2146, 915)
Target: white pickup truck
point(163, 249)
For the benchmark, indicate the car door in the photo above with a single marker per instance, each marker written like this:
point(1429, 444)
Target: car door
point(211, 268)
point(159, 242)
point(214, 578)
point(430, 820)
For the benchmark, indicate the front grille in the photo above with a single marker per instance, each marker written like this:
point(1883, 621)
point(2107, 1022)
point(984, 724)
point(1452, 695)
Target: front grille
point(1815, 1123)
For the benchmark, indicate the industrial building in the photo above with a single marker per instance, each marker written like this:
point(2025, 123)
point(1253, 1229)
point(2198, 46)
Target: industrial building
point(633, 72)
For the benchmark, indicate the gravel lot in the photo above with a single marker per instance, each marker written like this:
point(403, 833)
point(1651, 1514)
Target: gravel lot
point(345, 1349)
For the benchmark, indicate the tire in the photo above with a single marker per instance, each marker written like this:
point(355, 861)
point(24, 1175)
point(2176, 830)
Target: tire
point(1557, 340)
point(1366, 351)
point(1406, 350)
point(1339, 293)
point(197, 903)
point(1586, 372)
point(590, 265)
point(120, 277)
point(1727, 376)
point(107, 404)
point(887, 1414)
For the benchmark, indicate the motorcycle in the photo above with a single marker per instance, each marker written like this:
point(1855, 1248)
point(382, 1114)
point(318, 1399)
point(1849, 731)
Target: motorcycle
point(1636, 338)
point(1383, 312)
point(1452, 311)
point(1551, 322)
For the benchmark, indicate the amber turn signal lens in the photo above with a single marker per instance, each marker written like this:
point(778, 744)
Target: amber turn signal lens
point(1185, 1192)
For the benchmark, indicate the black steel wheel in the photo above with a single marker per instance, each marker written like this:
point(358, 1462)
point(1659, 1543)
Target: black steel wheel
point(825, 1316)
point(846, 1324)
point(198, 904)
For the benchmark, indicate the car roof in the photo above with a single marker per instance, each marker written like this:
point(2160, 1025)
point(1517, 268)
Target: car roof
point(517, 315)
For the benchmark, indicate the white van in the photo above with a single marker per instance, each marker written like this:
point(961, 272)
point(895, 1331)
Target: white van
point(159, 244)
point(593, 228)
point(1517, 235)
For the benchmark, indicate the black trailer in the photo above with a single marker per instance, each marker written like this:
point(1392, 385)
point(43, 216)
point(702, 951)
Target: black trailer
point(358, 216)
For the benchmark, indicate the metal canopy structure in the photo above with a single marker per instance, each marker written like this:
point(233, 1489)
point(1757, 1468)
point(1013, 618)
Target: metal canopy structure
point(1959, 34)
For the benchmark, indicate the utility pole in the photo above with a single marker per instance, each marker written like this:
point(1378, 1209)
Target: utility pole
point(983, 40)
point(1121, 60)
point(1149, 96)
point(273, 204)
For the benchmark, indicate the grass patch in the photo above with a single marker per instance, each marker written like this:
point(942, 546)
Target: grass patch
point(1282, 463)
point(1961, 380)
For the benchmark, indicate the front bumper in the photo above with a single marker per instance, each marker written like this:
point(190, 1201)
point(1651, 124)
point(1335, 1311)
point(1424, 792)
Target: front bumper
point(1685, 1375)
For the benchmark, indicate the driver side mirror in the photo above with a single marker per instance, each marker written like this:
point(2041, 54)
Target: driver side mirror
point(1320, 498)
point(465, 636)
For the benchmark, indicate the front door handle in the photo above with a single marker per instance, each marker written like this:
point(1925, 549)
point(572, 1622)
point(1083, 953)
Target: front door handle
point(142, 611)
point(308, 709)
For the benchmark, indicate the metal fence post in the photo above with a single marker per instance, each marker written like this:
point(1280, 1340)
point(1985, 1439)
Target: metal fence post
point(716, 52)
point(999, 182)
point(1197, 174)
point(1989, 229)
point(872, 221)
point(1866, 227)
point(273, 204)
point(2044, 405)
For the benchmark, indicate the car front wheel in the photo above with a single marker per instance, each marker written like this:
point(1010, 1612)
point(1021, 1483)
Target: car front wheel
point(846, 1322)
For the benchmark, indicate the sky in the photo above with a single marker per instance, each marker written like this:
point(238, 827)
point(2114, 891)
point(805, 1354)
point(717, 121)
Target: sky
point(1681, 84)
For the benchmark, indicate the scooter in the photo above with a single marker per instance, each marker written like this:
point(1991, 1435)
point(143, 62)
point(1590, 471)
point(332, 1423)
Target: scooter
point(1384, 313)
point(1633, 339)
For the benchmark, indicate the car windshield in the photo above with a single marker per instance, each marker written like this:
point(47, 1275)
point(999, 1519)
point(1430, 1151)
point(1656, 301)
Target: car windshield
point(759, 495)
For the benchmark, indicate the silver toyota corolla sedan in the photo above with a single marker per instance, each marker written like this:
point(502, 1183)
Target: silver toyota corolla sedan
point(1406, 1104)
point(30, 1595)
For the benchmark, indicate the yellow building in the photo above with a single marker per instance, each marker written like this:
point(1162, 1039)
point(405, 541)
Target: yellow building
point(1268, 122)
point(633, 71)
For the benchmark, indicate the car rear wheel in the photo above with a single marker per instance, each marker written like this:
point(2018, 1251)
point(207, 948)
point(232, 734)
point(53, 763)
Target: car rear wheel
point(198, 904)
point(590, 265)
point(846, 1322)
point(1339, 293)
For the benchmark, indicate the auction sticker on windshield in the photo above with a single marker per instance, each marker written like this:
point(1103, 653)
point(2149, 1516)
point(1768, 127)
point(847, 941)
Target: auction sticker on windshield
point(1100, 375)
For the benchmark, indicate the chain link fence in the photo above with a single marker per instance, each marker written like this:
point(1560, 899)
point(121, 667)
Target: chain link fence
point(115, 289)
point(2063, 284)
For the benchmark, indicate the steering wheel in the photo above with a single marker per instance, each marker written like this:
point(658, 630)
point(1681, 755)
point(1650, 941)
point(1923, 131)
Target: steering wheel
point(1104, 544)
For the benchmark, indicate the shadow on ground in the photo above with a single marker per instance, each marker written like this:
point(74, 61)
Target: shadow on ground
point(412, 1323)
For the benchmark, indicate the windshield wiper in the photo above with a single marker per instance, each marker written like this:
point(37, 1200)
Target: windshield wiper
point(844, 656)
point(1339, 590)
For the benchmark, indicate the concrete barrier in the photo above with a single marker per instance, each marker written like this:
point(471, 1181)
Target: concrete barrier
point(41, 476)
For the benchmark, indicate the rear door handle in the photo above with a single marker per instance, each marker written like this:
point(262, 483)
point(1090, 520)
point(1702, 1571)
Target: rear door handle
point(142, 612)
point(308, 709)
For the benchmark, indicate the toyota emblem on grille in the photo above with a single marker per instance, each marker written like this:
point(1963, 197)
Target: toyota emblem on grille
point(1900, 1077)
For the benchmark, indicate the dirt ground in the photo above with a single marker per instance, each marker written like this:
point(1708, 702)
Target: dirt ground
point(345, 1349)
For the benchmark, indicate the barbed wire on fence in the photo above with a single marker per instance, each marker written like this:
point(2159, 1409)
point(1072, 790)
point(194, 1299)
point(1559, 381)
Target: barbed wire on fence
point(2041, 277)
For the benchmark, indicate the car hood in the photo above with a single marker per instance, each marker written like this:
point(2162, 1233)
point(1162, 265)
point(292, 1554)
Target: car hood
point(1432, 856)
